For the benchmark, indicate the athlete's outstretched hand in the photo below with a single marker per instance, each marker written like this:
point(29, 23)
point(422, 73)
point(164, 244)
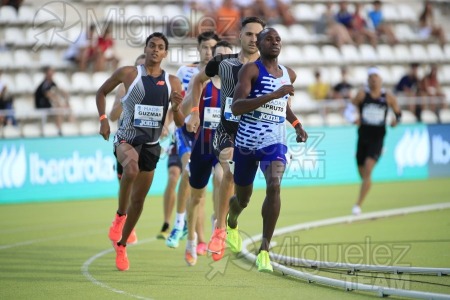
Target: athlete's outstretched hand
point(302, 135)
point(194, 122)
point(283, 91)
point(104, 129)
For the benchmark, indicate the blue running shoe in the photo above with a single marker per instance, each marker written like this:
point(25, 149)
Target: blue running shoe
point(174, 238)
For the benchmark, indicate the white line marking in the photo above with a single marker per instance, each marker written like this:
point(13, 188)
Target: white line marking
point(59, 237)
point(380, 290)
point(85, 271)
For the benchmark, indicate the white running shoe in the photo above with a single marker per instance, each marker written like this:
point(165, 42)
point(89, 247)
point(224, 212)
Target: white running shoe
point(356, 210)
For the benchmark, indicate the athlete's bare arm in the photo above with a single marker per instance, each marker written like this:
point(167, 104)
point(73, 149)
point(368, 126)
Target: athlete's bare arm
point(175, 99)
point(246, 76)
point(392, 103)
point(357, 100)
point(124, 75)
point(197, 87)
point(116, 109)
point(188, 101)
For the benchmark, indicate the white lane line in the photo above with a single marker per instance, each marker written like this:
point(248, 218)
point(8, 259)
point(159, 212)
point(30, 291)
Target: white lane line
point(380, 290)
point(58, 237)
point(85, 271)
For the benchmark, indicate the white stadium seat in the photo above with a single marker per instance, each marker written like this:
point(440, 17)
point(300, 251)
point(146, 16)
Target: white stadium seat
point(304, 12)
point(81, 82)
point(11, 132)
point(435, 52)
point(50, 130)
point(314, 120)
point(69, 129)
point(24, 83)
point(298, 33)
point(89, 127)
point(350, 54)
point(31, 130)
point(408, 117)
point(312, 54)
point(331, 54)
point(428, 117)
point(444, 115)
point(8, 14)
point(334, 119)
point(368, 54)
point(6, 60)
point(402, 53)
point(419, 53)
point(385, 53)
point(404, 33)
point(305, 77)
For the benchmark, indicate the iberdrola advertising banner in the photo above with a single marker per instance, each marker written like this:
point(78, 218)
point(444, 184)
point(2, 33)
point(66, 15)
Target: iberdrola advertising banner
point(65, 168)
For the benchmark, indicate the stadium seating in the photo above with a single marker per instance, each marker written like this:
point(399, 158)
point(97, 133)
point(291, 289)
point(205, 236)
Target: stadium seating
point(303, 51)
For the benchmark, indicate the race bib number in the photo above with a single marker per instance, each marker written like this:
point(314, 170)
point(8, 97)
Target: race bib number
point(148, 116)
point(211, 117)
point(227, 113)
point(373, 114)
point(273, 111)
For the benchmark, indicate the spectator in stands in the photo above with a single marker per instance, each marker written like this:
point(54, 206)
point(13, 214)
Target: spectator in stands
point(48, 95)
point(343, 16)
point(427, 25)
point(319, 90)
point(82, 50)
point(359, 29)
point(408, 86)
point(6, 103)
point(380, 26)
point(228, 21)
point(104, 52)
point(14, 3)
point(201, 13)
point(430, 88)
point(328, 25)
point(274, 11)
point(342, 91)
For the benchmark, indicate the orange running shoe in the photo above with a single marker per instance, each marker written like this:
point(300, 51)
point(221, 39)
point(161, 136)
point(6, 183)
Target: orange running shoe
point(122, 262)
point(132, 238)
point(201, 249)
point(115, 231)
point(217, 243)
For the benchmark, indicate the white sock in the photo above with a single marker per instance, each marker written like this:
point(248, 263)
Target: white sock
point(179, 221)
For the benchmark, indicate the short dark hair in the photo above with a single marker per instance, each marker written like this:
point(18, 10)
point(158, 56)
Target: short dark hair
point(206, 36)
point(222, 43)
point(248, 20)
point(377, 2)
point(158, 35)
point(414, 65)
point(263, 33)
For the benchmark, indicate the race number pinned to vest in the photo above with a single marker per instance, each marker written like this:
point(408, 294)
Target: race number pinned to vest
point(227, 113)
point(373, 114)
point(273, 111)
point(148, 116)
point(211, 117)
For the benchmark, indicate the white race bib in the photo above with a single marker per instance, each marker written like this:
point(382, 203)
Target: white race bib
point(148, 116)
point(211, 117)
point(373, 114)
point(273, 111)
point(227, 113)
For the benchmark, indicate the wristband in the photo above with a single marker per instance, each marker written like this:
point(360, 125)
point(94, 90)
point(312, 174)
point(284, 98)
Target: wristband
point(295, 123)
point(398, 117)
point(104, 116)
point(195, 108)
